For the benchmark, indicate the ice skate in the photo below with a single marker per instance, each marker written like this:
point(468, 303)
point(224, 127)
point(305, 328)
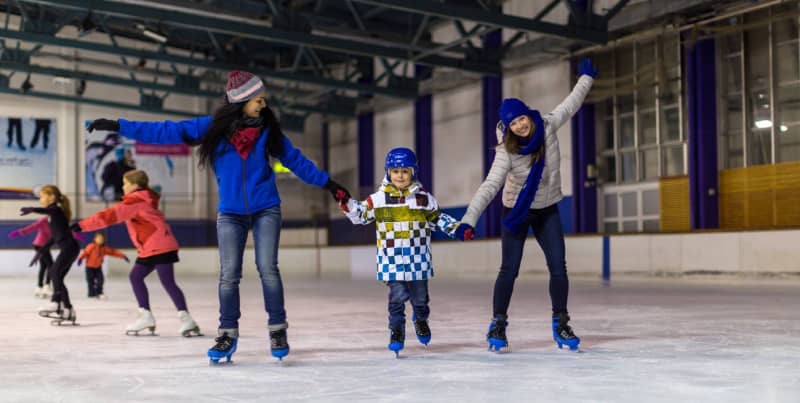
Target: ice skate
point(47, 291)
point(279, 343)
point(497, 335)
point(144, 321)
point(67, 317)
point(562, 332)
point(189, 327)
point(224, 348)
point(51, 310)
point(397, 340)
point(423, 331)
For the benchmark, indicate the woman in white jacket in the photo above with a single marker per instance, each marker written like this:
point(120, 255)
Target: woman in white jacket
point(527, 160)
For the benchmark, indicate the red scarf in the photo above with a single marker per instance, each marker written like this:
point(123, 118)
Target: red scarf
point(244, 139)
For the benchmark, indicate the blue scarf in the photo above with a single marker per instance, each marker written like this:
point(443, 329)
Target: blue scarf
point(514, 219)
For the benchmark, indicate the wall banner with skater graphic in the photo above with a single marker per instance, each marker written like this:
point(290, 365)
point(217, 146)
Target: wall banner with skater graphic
point(109, 156)
point(27, 155)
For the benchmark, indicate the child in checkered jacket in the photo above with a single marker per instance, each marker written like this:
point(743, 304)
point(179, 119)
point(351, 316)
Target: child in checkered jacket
point(405, 215)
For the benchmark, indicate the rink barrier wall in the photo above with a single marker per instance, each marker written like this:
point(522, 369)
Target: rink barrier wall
point(754, 253)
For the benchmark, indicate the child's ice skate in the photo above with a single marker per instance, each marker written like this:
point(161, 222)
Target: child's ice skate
point(279, 343)
point(144, 321)
point(68, 316)
point(189, 327)
point(38, 292)
point(51, 310)
point(47, 291)
point(396, 340)
point(562, 332)
point(224, 348)
point(497, 334)
point(423, 331)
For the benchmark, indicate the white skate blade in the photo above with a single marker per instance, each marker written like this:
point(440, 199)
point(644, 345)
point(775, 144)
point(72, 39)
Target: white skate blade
point(64, 322)
point(136, 332)
point(192, 333)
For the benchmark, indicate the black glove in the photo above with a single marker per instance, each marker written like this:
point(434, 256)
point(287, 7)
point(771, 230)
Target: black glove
point(340, 194)
point(104, 124)
point(75, 228)
point(126, 259)
point(26, 210)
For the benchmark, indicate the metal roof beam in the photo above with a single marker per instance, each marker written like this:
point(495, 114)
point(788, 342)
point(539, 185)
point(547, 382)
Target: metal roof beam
point(405, 93)
point(238, 26)
point(480, 16)
point(81, 75)
point(101, 102)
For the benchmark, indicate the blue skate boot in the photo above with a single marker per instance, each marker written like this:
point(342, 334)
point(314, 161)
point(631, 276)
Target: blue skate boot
point(562, 333)
point(225, 347)
point(497, 334)
point(423, 331)
point(279, 343)
point(397, 340)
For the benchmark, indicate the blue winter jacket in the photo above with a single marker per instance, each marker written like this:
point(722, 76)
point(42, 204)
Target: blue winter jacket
point(245, 186)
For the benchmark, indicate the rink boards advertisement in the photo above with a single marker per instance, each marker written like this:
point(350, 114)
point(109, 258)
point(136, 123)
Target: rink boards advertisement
point(109, 156)
point(27, 155)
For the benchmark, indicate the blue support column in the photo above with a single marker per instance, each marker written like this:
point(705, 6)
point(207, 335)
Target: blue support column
point(423, 132)
point(366, 153)
point(606, 275)
point(584, 188)
point(325, 147)
point(702, 139)
point(491, 97)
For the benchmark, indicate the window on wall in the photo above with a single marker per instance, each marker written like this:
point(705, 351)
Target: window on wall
point(639, 111)
point(759, 88)
point(631, 208)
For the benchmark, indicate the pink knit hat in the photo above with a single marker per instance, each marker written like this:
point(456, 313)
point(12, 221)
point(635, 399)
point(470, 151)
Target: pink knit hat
point(242, 86)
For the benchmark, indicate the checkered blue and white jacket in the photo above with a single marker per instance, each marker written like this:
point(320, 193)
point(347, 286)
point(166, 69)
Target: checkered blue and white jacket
point(404, 221)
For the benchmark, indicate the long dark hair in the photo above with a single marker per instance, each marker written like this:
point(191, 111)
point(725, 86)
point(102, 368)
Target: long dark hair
point(513, 145)
point(223, 124)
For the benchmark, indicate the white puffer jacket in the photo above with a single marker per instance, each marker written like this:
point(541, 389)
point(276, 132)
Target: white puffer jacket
point(513, 169)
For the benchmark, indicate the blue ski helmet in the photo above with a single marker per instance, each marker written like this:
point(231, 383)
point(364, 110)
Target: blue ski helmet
point(401, 157)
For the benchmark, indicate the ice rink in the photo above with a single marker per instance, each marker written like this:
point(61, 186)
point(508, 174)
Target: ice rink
point(644, 340)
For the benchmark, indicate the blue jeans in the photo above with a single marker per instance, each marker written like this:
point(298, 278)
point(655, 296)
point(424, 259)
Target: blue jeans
point(232, 236)
point(402, 291)
point(546, 225)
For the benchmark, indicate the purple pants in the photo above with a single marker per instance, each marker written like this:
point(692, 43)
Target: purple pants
point(166, 274)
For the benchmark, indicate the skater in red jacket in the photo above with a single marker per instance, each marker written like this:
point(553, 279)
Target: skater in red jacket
point(94, 254)
point(157, 248)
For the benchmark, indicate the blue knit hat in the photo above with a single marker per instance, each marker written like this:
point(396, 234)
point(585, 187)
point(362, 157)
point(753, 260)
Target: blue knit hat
point(512, 108)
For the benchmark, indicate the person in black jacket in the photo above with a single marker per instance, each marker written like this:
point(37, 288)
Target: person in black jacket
point(57, 207)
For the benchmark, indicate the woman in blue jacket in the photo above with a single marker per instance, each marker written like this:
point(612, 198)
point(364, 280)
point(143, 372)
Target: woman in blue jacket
point(237, 142)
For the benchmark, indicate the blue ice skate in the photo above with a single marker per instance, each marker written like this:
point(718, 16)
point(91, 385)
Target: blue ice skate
point(224, 348)
point(279, 344)
point(397, 340)
point(562, 332)
point(496, 335)
point(423, 331)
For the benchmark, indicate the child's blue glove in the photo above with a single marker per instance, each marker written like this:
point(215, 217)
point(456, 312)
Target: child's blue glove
point(79, 262)
point(585, 67)
point(465, 232)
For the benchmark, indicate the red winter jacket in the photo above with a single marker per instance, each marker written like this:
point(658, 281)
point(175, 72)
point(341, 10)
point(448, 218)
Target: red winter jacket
point(149, 232)
point(94, 254)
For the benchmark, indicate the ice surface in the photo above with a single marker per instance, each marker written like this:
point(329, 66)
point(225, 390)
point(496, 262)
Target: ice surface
point(643, 341)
